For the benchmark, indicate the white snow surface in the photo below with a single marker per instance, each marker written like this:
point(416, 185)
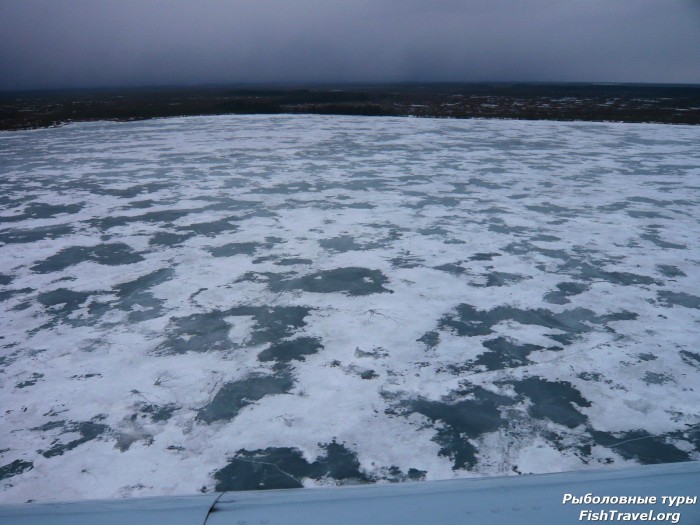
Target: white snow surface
point(458, 298)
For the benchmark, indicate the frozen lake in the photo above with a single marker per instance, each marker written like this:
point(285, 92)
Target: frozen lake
point(221, 303)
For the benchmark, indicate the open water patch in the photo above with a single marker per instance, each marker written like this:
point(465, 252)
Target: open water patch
point(234, 396)
point(286, 468)
point(15, 468)
point(353, 281)
point(43, 210)
point(641, 446)
point(686, 300)
point(505, 353)
point(292, 350)
point(88, 430)
point(113, 254)
point(40, 233)
point(553, 400)
point(468, 321)
point(461, 421)
point(564, 291)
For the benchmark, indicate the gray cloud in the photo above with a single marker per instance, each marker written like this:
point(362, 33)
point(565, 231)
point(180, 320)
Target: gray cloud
point(68, 43)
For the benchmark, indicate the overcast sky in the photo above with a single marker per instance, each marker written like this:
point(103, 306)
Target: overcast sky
point(81, 43)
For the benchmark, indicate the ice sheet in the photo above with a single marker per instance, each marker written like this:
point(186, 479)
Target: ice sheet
point(253, 301)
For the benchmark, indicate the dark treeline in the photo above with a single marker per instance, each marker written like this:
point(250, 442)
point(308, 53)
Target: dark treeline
point(588, 102)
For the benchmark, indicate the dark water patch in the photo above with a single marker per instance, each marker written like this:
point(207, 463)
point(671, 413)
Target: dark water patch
point(652, 236)
point(545, 238)
point(9, 294)
point(641, 446)
point(505, 353)
point(430, 339)
point(265, 258)
point(584, 271)
point(457, 448)
point(480, 183)
point(368, 374)
point(640, 214)
point(590, 376)
point(211, 228)
point(451, 268)
point(679, 299)
point(148, 203)
point(431, 200)
point(564, 291)
point(43, 210)
point(406, 260)
point(692, 434)
point(461, 187)
point(19, 236)
point(5, 279)
point(690, 358)
point(654, 378)
point(356, 206)
point(15, 468)
point(226, 204)
point(615, 206)
point(197, 333)
point(353, 281)
point(501, 279)
point(484, 256)
point(85, 376)
point(438, 231)
point(50, 426)
point(144, 283)
point(493, 210)
point(88, 431)
point(500, 226)
point(272, 324)
point(662, 203)
point(462, 420)
point(648, 356)
point(236, 395)
point(553, 400)
point(340, 244)
point(470, 322)
point(292, 261)
point(377, 352)
point(370, 182)
point(234, 248)
point(668, 270)
point(293, 350)
point(160, 216)
point(31, 381)
point(548, 208)
point(24, 305)
point(627, 279)
point(169, 238)
point(113, 254)
point(62, 301)
point(284, 467)
point(285, 189)
point(271, 241)
point(394, 474)
point(158, 413)
point(270, 468)
point(132, 191)
point(528, 248)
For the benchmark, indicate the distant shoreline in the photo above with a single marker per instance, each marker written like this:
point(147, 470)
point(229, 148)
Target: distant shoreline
point(560, 102)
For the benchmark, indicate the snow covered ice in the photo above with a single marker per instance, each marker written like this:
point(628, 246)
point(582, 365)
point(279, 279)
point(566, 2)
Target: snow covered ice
point(237, 302)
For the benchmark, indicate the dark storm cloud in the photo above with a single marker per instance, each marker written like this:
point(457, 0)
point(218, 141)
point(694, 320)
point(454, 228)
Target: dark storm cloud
point(52, 43)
